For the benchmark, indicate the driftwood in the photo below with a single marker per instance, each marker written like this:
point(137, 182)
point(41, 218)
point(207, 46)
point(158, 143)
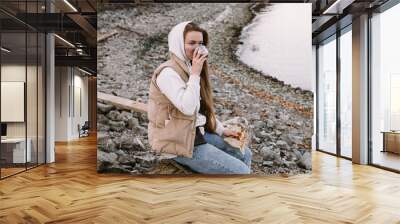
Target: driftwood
point(130, 30)
point(106, 36)
point(122, 103)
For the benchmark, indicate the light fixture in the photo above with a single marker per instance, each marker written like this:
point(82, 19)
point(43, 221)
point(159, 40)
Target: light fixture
point(65, 41)
point(86, 72)
point(70, 5)
point(5, 50)
point(79, 51)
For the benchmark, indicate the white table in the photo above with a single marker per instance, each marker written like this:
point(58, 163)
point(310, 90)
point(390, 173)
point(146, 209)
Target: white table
point(19, 148)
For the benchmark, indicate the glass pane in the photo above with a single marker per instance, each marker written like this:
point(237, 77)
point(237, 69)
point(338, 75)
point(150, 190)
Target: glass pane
point(31, 98)
point(41, 98)
point(346, 94)
point(327, 96)
point(13, 87)
point(386, 89)
point(22, 88)
point(15, 8)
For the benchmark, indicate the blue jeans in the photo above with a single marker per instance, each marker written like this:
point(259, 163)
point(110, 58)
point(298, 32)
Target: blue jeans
point(217, 157)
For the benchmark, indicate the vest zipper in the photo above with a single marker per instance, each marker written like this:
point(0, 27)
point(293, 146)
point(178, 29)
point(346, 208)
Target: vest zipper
point(194, 128)
point(195, 116)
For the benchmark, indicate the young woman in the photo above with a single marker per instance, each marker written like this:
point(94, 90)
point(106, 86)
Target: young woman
point(181, 114)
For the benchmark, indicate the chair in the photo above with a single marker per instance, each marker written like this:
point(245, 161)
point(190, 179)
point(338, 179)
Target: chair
point(84, 130)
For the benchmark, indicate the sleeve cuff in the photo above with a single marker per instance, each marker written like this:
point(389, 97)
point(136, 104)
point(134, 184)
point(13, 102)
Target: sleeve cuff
point(195, 79)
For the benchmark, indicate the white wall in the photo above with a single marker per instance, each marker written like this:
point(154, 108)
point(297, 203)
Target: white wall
point(68, 81)
point(278, 43)
point(62, 80)
point(80, 83)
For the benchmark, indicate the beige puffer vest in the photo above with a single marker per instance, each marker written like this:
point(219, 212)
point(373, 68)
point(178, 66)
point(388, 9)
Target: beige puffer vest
point(169, 130)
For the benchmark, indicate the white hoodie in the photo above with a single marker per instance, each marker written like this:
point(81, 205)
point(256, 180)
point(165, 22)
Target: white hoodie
point(184, 96)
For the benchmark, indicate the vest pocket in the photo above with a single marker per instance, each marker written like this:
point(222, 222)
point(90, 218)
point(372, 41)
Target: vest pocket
point(161, 116)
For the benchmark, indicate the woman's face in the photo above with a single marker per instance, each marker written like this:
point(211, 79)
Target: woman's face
point(193, 39)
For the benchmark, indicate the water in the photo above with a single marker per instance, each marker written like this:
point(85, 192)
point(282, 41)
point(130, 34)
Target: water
point(279, 43)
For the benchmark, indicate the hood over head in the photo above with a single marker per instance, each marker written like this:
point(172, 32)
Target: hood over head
point(176, 42)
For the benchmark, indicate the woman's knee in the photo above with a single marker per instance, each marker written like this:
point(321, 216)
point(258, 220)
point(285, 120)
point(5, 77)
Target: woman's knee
point(248, 153)
point(244, 170)
point(236, 166)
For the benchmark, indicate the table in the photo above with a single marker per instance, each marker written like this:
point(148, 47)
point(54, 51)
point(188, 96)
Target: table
point(391, 141)
point(15, 148)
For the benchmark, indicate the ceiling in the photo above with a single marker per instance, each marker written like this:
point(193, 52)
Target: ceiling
point(331, 15)
point(74, 22)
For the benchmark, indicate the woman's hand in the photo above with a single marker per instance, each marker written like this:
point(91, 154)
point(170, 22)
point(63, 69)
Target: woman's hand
point(197, 62)
point(230, 133)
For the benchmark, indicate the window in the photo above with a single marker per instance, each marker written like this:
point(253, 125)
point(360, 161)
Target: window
point(346, 93)
point(327, 95)
point(385, 89)
point(22, 88)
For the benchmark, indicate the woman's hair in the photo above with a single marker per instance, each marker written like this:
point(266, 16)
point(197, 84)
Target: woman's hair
point(207, 102)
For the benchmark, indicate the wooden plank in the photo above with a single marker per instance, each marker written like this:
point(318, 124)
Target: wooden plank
point(122, 103)
point(106, 36)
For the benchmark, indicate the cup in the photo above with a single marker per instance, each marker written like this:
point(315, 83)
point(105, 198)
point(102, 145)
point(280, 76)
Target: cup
point(202, 49)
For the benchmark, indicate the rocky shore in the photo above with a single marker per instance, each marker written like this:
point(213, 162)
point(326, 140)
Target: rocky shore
point(280, 116)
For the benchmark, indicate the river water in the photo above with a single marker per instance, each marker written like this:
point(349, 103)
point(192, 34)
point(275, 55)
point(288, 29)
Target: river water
point(278, 43)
